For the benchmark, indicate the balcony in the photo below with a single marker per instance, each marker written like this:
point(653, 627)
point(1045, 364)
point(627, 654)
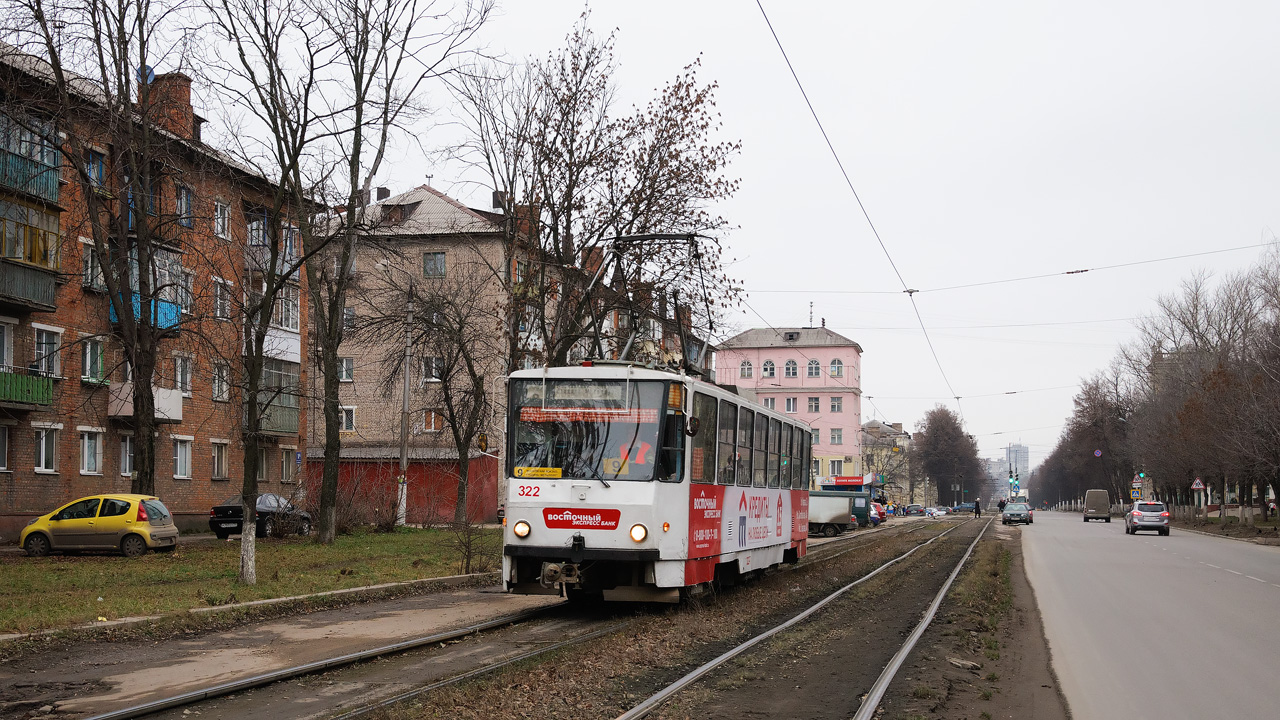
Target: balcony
point(278, 419)
point(27, 287)
point(22, 391)
point(120, 403)
point(29, 176)
point(166, 315)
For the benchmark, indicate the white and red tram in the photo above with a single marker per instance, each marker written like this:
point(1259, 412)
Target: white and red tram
point(629, 483)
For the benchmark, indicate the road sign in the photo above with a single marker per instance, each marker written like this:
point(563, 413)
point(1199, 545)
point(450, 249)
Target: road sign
point(1197, 485)
point(1135, 494)
point(1097, 453)
point(1137, 483)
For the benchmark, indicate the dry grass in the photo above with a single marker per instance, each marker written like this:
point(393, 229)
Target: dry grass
point(60, 591)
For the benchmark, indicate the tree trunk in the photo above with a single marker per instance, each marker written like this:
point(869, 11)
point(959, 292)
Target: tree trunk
point(332, 444)
point(460, 514)
point(249, 503)
point(144, 441)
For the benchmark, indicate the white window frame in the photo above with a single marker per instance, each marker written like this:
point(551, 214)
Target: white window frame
point(44, 463)
point(126, 455)
point(262, 464)
point(186, 291)
point(347, 413)
point(814, 368)
point(744, 369)
point(768, 369)
point(814, 404)
point(817, 436)
point(8, 326)
point(219, 451)
point(288, 466)
point(837, 404)
point(4, 449)
point(181, 447)
point(91, 275)
point(221, 220)
point(181, 379)
point(432, 368)
point(836, 467)
point(837, 436)
point(49, 364)
point(346, 369)
point(792, 405)
point(220, 390)
point(770, 403)
point(91, 465)
point(185, 205)
point(288, 307)
point(89, 348)
point(443, 268)
point(837, 368)
point(791, 369)
point(222, 290)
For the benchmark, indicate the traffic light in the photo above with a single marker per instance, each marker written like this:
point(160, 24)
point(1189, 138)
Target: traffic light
point(1141, 474)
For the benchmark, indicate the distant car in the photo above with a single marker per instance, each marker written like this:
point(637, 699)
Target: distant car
point(963, 508)
point(935, 511)
point(915, 509)
point(276, 515)
point(1147, 516)
point(130, 524)
point(1097, 505)
point(884, 514)
point(1016, 513)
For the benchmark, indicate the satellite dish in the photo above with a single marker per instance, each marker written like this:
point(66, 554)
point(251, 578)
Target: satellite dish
point(146, 75)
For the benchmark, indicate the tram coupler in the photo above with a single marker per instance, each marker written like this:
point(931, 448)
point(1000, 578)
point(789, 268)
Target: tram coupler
point(554, 572)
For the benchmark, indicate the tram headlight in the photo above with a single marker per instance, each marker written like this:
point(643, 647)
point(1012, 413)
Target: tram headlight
point(521, 529)
point(639, 532)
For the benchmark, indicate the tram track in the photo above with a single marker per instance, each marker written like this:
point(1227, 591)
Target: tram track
point(196, 700)
point(656, 700)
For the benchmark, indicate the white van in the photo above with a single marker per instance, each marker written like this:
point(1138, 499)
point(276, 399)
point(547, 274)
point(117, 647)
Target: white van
point(1097, 505)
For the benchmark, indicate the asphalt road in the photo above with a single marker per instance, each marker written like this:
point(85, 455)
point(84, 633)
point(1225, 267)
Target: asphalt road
point(1156, 627)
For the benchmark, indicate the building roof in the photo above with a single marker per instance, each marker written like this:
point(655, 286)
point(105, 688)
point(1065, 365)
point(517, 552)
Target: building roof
point(777, 337)
point(427, 211)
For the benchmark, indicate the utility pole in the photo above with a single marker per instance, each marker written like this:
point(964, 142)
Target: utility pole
point(402, 482)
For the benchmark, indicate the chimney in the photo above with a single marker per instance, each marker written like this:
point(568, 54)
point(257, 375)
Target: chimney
point(170, 98)
point(499, 200)
point(896, 426)
point(591, 259)
point(383, 194)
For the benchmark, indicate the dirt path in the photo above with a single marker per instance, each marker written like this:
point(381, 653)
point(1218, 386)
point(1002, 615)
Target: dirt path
point(990, 619)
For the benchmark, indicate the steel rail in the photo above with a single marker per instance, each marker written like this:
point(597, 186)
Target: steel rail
point(289, 673)
point(410, 694)
point(657, 699)
point(867, 709)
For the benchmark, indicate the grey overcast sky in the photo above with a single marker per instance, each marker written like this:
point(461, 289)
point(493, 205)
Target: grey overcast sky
point(988, 140)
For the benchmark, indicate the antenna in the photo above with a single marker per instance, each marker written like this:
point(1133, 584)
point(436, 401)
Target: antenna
point(810, 313)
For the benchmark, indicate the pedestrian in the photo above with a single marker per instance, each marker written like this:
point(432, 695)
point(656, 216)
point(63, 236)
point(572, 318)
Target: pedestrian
point(1001, 504)
point(977, 507)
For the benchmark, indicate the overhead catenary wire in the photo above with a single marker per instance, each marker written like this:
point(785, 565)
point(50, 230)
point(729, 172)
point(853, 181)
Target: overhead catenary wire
point(1023, 278)
point(849, 182)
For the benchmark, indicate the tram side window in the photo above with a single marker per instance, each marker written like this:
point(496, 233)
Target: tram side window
point(746, 419)
point(702, 459)
point(788, 457)
point(759, 453)
point(728, 430)
point(775, 456)
point(672, 469)
point(803, 448)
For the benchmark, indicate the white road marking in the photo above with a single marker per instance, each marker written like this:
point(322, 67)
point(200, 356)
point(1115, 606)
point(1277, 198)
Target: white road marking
point(1254, 578)
point(1232, 571)
point(1213, 566)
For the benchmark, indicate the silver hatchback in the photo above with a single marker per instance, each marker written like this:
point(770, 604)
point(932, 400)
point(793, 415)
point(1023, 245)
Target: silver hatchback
point(1147, 515)
point(1017, 513)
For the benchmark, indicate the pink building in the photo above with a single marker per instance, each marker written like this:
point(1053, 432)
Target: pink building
point(812, 373)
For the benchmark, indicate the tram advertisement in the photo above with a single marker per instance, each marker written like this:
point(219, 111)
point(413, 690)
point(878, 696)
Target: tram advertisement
point(725, 518)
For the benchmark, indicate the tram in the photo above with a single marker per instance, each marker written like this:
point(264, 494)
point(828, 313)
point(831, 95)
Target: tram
point(627, 483)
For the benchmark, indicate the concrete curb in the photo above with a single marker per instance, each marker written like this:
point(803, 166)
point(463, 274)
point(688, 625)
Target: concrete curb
point(363, 590)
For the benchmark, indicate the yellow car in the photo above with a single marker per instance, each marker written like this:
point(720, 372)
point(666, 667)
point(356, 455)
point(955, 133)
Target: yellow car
point(128, 523)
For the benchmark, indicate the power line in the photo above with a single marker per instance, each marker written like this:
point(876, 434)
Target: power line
point(971, 397)
point(849, 182)
point(1029, 277)
point(989, 327)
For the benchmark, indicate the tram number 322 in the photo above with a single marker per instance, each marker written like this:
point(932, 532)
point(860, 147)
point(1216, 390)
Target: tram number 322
point(528, 491)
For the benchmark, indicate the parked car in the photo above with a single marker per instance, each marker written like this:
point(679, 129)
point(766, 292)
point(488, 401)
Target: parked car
point(1097, 505)
point(914, 509)
point(1147, 516)
point(884, 514)
point(936, 511)
point(875, 514)
point(276, 516)
point(1016, 513)
point(963, 508)
point(130, 524)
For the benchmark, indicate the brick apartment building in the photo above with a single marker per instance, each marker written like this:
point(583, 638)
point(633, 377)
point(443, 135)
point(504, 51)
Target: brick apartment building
point(812, 373)
point(438, 245)
point(66, 392)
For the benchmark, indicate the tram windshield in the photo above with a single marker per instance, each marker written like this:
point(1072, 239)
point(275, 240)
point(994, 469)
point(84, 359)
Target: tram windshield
point(593, 429)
